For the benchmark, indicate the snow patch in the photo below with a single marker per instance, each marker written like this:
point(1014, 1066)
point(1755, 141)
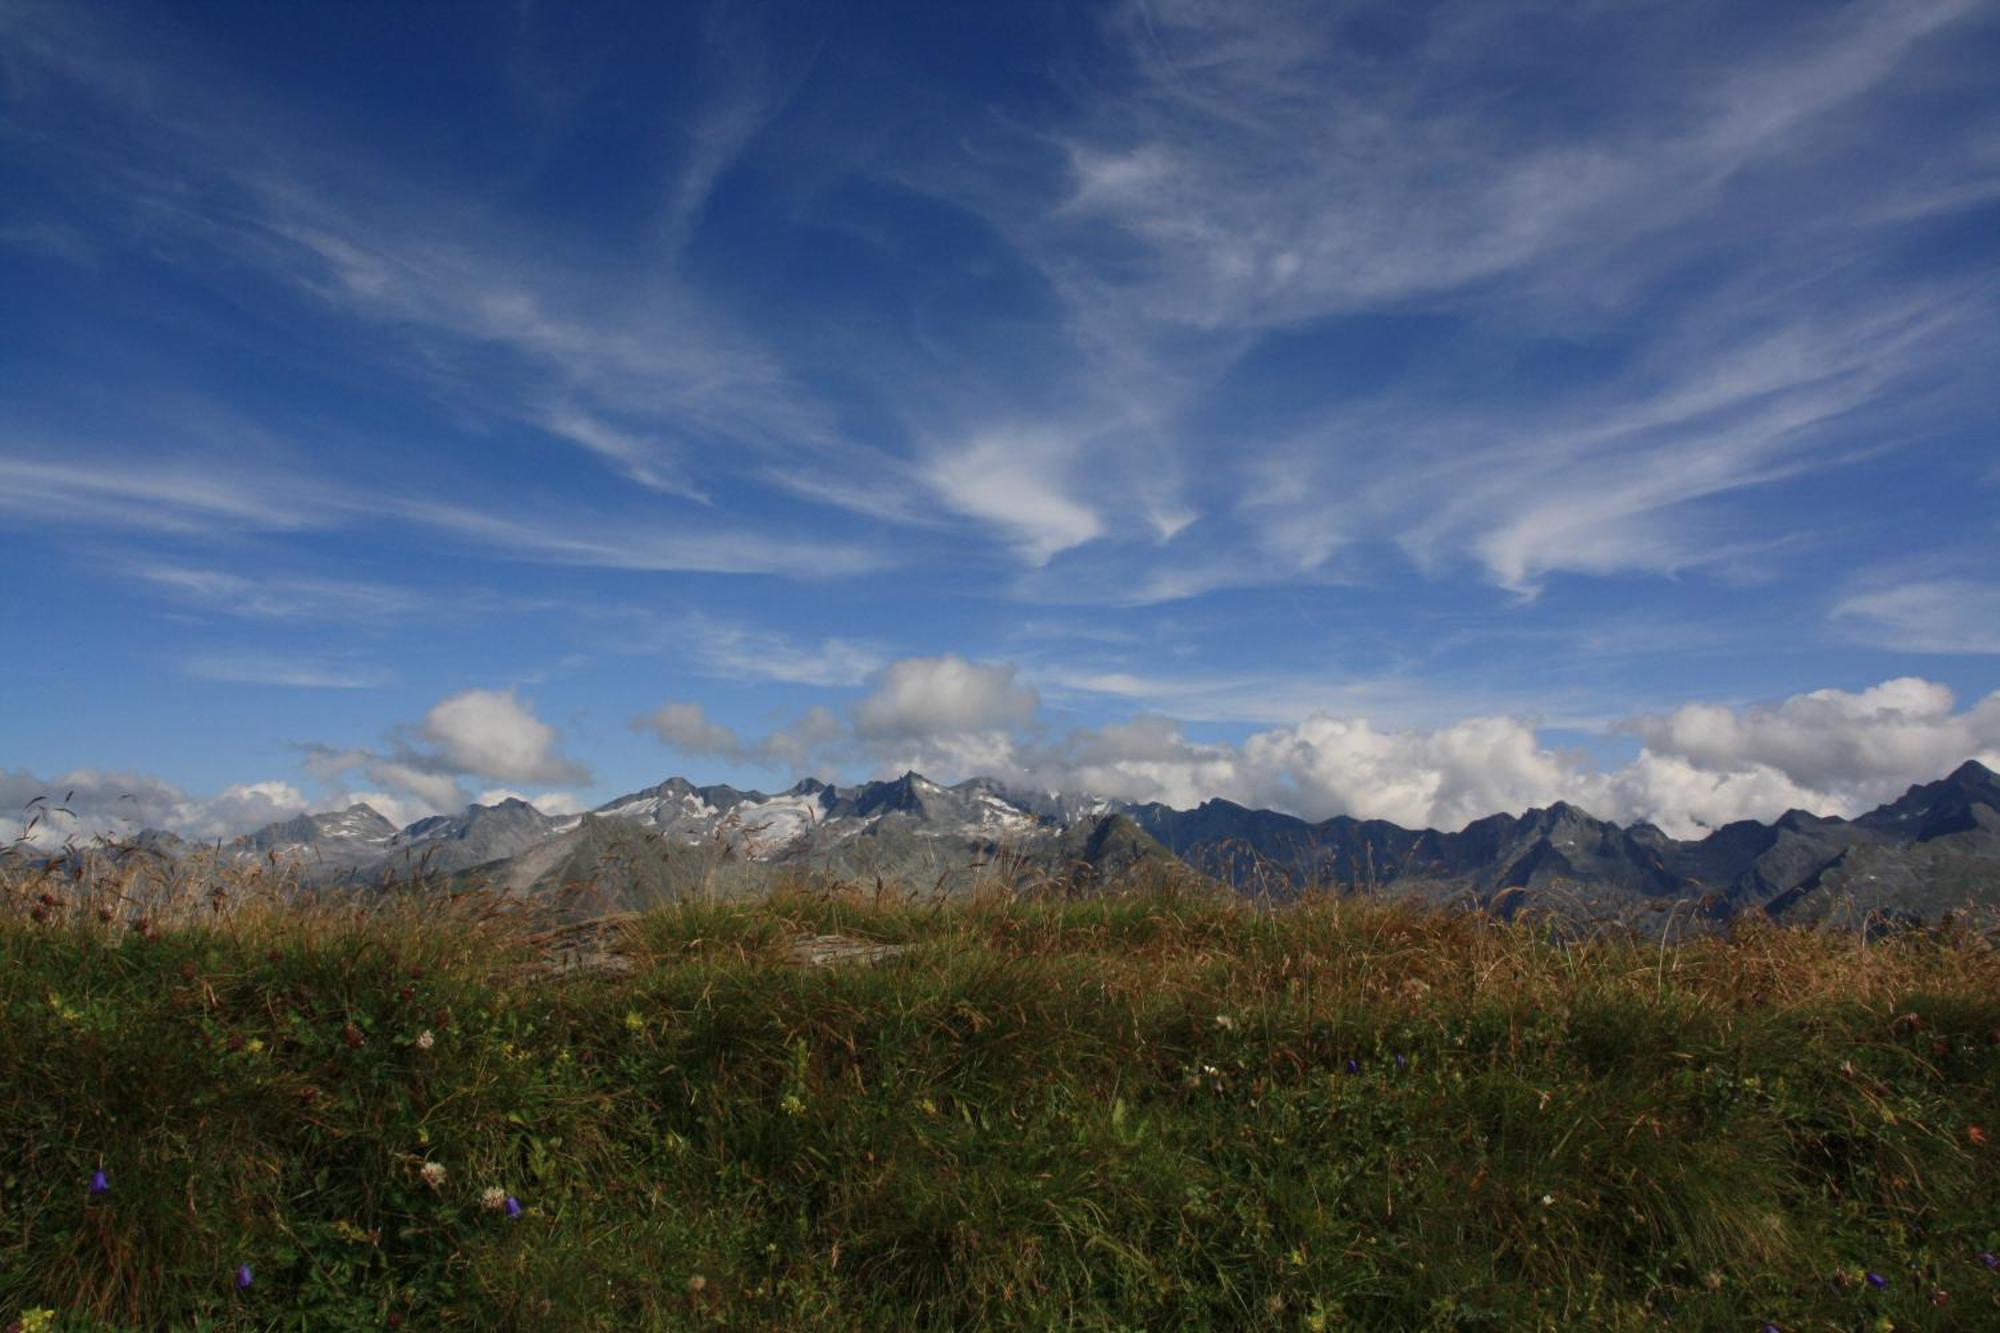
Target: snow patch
point(762, 827)
point(998, 815)
point(644, 808)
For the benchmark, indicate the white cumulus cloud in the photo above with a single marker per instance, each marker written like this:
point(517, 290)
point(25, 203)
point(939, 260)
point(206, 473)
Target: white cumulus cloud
point(687, 727)
point(418, 788)
point(940, 696)
point(1853, 746)
point(489, 735)
point(1445, 777)
point(492, 734)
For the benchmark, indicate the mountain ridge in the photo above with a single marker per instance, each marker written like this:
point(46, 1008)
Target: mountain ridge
point(1936, 845)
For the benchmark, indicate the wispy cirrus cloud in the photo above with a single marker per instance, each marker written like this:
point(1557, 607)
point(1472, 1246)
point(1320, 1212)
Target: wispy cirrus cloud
point(201, 496)
point(1017, 481)
point(282, 597)
point(1410, 166)
point(723, 646)
point(123, 491)
point(1271, 173)
point(638, 457)
point(737, 651)
point(1611, 479)
point(640, 371)
point(1226, 180)
point(1288, 696)
point(1943, 615)
point(580, 540)
point(310, 673)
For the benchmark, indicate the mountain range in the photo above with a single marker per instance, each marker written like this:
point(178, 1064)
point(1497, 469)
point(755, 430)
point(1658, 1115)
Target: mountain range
point(1935, 848)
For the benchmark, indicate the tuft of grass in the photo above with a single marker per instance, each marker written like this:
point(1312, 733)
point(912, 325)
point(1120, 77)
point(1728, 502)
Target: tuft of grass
point(1151, 1107)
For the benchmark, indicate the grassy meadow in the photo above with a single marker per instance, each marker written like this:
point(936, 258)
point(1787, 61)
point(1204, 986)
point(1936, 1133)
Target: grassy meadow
point(1148, 1108)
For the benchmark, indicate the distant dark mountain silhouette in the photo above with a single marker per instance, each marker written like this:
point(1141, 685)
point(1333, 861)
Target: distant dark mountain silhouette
point(1936, 847)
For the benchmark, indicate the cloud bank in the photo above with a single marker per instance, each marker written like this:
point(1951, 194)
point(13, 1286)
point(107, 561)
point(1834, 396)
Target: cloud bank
point(1699, 766)
point(86, 802)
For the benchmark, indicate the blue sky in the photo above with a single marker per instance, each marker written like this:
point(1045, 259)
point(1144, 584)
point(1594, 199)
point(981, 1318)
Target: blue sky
point(1413, 410)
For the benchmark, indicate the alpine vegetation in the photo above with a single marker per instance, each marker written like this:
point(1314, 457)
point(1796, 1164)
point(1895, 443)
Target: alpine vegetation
point(1152, 1104)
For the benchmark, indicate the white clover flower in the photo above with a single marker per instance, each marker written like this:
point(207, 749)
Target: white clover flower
point(433, 1174)
point(1225, 1022)
point(425, 1040)
point(493, 1199)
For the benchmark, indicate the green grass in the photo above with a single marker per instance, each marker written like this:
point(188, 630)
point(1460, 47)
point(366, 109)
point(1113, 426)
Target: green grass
point(1141, 1111)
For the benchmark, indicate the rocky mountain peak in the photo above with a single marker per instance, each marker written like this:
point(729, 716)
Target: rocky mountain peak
point(1938, 809)
point(903, 795)
point(357, 823)
point(1972, 773)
